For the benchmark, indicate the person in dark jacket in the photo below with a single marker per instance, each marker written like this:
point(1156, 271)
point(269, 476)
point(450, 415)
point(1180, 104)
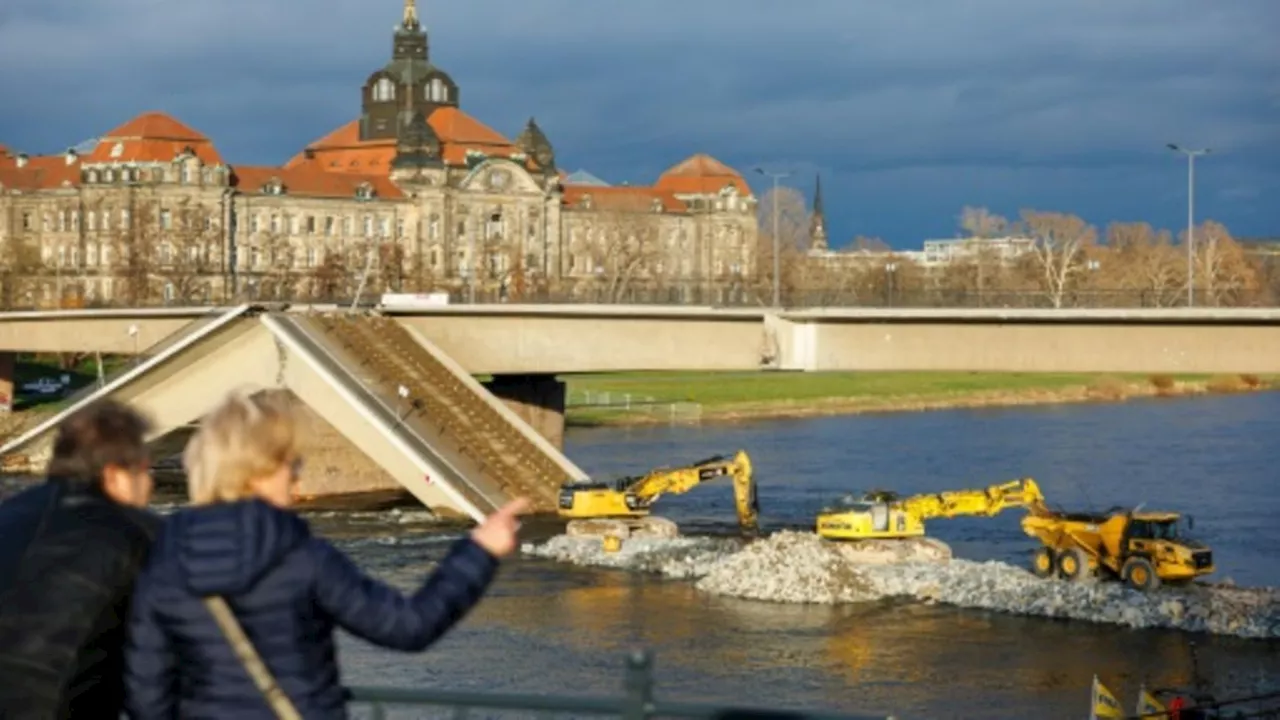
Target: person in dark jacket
point(287, 588)
point(71, 549)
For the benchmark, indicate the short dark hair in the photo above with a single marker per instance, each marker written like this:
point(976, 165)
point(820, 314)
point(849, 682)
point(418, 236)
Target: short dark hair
point(103, 434)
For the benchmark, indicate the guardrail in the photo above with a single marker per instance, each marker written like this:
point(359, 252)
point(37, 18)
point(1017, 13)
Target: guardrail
point(636, 702)
point(673, 411)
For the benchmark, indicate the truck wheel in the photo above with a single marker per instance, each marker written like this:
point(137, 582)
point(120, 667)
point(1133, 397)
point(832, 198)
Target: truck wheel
point(1073, 564)
point(1042, 563)
point(1139, 574)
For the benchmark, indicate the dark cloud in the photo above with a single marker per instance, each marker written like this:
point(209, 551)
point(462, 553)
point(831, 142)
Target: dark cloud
point(910, 110)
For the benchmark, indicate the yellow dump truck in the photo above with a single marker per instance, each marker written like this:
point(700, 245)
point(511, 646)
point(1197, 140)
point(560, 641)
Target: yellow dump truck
point(1142, 549)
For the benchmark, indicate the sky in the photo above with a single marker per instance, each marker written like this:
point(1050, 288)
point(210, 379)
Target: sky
point(909, 110)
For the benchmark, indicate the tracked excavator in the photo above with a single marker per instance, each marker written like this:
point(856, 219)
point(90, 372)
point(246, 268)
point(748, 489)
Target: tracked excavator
point(885, 515)
point(623, 506)
point(1139, 548)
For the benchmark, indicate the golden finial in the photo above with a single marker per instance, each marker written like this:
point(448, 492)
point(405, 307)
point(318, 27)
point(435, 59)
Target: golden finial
point(410, 13)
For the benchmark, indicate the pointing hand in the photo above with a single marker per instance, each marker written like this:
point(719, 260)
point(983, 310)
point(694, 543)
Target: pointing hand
point(497, 534)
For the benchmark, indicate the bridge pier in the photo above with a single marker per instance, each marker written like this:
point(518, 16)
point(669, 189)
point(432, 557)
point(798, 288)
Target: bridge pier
point(537, 399)
point(7, 362)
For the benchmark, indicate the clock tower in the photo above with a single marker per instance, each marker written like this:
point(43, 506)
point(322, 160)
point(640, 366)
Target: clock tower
point(407, 86)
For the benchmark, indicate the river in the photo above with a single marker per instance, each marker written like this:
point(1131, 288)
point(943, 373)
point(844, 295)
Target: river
point(552, 628)
point(548, 627)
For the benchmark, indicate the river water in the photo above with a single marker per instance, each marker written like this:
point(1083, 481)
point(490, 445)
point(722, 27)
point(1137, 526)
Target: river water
point(548, 627)
point(554, 628)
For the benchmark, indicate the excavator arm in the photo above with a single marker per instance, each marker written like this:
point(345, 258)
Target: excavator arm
point(987, 502)
point(886, 516)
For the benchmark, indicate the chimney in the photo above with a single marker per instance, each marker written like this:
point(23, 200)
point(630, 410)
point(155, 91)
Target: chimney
point(22, 160)
point(71, 156)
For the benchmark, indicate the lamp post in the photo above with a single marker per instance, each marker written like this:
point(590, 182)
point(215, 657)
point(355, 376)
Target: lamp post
point(777, 288)
point(1191, 154)
point(889, 269)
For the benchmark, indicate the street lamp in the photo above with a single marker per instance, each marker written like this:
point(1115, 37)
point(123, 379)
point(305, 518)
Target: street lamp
point(890, 269)
point(1191, 213)
point(777, 289)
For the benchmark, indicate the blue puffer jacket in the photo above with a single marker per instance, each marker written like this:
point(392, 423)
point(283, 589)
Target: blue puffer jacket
point(288, 590)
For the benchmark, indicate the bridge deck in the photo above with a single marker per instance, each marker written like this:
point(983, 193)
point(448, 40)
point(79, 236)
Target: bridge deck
point(441, 404)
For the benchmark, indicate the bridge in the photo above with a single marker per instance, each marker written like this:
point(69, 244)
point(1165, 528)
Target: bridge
point(399, 383)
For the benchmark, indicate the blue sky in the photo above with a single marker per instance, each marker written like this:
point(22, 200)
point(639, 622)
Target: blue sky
point(909, 109)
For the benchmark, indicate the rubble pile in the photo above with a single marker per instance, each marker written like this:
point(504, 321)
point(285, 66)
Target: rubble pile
point(797, 567)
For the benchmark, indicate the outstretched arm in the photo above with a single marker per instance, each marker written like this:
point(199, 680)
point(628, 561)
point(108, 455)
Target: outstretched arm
point(378, 613)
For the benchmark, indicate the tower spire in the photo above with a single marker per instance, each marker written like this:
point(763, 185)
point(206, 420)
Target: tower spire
point(410, 14)
point(818, 222)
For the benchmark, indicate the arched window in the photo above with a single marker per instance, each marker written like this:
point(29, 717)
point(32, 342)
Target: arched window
point(436, 91)
point(384, 90)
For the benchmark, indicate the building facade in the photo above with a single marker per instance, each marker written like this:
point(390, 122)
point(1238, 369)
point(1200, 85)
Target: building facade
point(412, 195)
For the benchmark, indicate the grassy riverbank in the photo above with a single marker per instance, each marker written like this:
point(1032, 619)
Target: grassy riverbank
point(647, 398)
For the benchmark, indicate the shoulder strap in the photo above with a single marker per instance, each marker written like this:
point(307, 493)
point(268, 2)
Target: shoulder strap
point(249, 657)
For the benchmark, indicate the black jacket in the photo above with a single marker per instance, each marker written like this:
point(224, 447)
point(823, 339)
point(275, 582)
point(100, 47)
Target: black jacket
point(289, 590)
point(68, 559)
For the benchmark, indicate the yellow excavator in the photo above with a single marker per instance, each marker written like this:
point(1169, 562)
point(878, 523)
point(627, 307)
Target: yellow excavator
point(1141, 549)
point(885, 515)
point(628, 500)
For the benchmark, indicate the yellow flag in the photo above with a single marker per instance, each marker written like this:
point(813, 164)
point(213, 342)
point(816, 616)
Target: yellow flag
point(1105, 704)
point(1148, 705)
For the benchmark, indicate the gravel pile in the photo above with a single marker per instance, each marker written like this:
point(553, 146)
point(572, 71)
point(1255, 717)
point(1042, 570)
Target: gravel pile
point(683, 558)
point(793, 567)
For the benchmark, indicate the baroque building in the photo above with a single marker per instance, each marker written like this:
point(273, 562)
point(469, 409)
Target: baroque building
point(412, 195)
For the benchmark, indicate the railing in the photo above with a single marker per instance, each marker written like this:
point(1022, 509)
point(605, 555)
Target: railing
point(636, 702)
point(674, 411)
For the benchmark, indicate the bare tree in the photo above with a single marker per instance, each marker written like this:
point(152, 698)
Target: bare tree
point(623, 245)
point(189, 252)
point(20, 267)
point(978, 265)
point(134, 250)
point(1141, 260)
point(1059, 252)
point(792, 221)
point(1222, 270)
point(279, 280)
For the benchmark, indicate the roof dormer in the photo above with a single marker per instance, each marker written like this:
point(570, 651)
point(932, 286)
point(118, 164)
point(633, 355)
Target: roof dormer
point(274, 186)
point(365, 191)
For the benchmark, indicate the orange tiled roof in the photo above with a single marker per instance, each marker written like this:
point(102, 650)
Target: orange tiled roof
point(343, 151)
point(701, 174)
point(43, 172)
point(625, 198)
point(152, 137)
point(311, 182)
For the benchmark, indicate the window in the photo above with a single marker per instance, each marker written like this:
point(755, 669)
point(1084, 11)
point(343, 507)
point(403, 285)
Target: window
point(255, 257)
point(62, 256)
point(399, 228)
point(435, 257)
point(91, 255)
point(311, 224)
point(186, 173)
point(124, 218)
point(493, 229)
point(75, 257)
point(168, 292)
point(384, 227)
point(166, 221)
point(311, 257)
point(437, 91)
point(293, 224)
point(346, 225)
point(275, 223)
point(433, 228)
point(91, 220)
point(384, 90)
point(368, 226)
point(328, 225)
point(106, 256)
point(75, 219)
point(26, 221)
point(166, 253)
point(253, 223)
point(109, 175)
